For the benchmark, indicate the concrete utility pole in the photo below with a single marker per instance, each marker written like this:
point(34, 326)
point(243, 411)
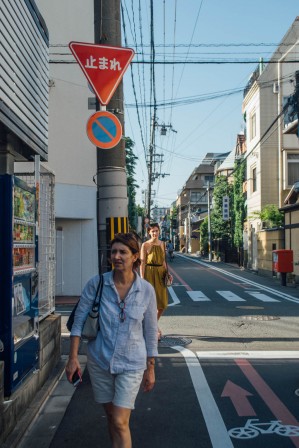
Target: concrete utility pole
point(209, 224)
point(150, 168)
point(112, 199)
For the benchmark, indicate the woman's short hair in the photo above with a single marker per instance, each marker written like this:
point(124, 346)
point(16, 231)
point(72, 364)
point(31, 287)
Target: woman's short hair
point(130, 240)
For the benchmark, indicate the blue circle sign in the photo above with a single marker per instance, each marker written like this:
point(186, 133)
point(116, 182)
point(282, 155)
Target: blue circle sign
point(104, 129)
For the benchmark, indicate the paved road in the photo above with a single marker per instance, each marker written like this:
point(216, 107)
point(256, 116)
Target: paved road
point(233, 385)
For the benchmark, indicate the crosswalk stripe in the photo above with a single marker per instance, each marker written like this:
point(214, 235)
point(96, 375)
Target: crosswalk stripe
point(230, 296)
point(262, 297)
point(198, 296)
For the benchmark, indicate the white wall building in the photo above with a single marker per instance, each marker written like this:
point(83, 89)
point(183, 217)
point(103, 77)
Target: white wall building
point(71, 155)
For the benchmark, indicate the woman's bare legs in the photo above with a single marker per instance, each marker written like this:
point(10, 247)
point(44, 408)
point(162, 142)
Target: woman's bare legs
point(159, 314)
point(118, 424)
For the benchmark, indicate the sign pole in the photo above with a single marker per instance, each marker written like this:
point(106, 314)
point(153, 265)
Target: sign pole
point(112, 200)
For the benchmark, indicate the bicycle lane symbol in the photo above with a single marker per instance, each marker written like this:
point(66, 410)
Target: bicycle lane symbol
point(285, 425)
point(253, 427)
point(220, 436)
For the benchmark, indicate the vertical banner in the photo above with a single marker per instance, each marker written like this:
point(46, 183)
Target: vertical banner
point(225, 208)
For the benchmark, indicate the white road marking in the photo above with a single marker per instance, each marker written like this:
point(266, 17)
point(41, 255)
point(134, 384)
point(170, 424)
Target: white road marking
point(260, 354)
point(198, 296)
point(262, 297)
point(173, 296)
point(282, 295)
point(230, 296)
point(213, 419)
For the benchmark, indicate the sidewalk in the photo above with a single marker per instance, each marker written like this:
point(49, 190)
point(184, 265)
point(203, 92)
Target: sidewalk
point(47, 422)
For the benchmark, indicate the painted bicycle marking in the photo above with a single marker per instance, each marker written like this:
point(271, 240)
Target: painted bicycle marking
point(254, 427)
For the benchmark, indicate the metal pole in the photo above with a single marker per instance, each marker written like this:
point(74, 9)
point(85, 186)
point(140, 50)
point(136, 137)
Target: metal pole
point(189, 225)
point(209, 224)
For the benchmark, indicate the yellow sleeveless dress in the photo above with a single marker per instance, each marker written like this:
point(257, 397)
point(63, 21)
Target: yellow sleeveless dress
point(154, 274)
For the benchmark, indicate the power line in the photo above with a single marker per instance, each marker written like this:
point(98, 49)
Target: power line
point(133, 85)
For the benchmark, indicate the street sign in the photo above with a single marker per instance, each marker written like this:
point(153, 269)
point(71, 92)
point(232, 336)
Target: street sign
point(225, 208)
point(103, 66)
point(104, 130)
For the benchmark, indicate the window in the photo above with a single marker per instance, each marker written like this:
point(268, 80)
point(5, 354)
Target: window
point(252, 125)
point(209, 179)
point(253, 179)
point(293, 168)
point(196, 196)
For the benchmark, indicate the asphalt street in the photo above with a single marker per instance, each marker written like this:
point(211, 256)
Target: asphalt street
point(227, 373)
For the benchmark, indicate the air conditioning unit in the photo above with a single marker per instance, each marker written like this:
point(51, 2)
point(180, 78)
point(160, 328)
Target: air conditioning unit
point(275, 87)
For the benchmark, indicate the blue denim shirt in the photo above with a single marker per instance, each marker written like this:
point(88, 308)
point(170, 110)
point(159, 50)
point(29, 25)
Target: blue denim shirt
point(120, 346)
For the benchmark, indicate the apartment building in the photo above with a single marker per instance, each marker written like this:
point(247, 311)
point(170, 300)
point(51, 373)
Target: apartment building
point(272, 156)
point(192, 202)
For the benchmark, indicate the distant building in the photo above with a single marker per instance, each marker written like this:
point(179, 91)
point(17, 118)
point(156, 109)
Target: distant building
point(192, 202)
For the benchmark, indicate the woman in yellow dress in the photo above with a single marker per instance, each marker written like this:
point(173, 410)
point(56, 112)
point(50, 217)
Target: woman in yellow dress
point(153, 268)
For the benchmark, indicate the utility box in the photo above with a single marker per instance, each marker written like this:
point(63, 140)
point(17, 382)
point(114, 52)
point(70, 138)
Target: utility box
point(282, 260)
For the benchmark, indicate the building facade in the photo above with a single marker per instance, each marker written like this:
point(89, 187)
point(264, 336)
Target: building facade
point(71, 155)
point(272, 156)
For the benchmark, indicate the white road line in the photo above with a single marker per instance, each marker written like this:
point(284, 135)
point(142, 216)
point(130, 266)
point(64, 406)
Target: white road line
point(282, 295)
point(215, 424)
point(262, 297)
point(198, 296)
point(173, 296)
point(261, 354)
point(230, 296)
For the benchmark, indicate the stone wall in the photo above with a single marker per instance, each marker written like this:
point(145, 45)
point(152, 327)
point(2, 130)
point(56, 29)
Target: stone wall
point(266, 240)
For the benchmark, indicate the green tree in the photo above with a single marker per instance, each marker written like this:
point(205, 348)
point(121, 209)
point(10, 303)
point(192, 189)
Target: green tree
point(239, 207)
point(219, 227)
point(133, 209)
point(270, 215)
point(204, 235)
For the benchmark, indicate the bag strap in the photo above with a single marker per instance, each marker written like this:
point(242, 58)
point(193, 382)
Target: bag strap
point(98, 296)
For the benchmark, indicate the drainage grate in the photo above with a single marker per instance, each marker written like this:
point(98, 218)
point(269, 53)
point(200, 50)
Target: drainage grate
point(261, 318)
point(170, 341)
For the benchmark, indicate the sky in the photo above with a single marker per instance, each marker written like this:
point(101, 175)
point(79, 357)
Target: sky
point(200, 104)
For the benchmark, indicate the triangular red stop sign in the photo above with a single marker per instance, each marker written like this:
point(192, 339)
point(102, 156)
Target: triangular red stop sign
point(103, 66)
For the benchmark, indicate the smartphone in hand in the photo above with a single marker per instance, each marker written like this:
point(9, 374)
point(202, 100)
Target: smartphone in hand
point(76, 378)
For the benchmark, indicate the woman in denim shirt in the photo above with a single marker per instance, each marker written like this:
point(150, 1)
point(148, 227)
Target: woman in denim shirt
point(123, 354)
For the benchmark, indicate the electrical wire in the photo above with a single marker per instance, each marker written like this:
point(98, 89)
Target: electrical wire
point(133, 84)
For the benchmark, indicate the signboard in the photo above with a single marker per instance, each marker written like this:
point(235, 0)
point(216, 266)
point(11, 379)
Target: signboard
point(103, 66)
point(225, 208)
point(104, 130)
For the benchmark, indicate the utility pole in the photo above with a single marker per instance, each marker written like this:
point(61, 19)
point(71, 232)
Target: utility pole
point(150, 167)
point(112, 200)
point(209, 224)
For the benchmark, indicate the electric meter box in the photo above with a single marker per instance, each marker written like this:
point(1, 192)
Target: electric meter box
point(282, 260)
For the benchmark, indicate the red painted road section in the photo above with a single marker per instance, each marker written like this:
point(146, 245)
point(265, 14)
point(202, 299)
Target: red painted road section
point(238, 396)
point(174, 274)
point(279, 410)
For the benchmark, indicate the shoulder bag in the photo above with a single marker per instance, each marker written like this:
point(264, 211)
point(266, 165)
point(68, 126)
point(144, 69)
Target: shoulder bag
point(168, 279)
point(91, 325)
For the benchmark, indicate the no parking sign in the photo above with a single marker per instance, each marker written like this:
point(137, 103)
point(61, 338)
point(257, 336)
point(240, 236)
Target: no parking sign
point(104, 130)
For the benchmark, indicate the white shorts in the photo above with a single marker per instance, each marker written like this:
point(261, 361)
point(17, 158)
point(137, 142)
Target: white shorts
point(120, 389)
